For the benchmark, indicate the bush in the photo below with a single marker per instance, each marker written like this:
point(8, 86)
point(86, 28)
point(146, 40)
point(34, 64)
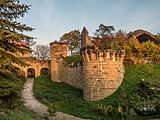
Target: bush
point(9, 93)
point(157, 107)
point(144, 101)
point(104, 110)
point(142, 52)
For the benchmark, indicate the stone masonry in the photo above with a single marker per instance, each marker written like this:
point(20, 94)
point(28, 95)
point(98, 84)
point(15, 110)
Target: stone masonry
point(103, 73)
point(73, 74)
point(99, 76)
point(37, 65)
point(58, 50)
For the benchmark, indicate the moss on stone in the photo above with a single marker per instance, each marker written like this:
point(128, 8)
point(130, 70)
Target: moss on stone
point(74, 58)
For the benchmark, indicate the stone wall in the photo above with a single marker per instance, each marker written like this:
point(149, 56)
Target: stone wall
point(61, 71)
point(99, 76)
point(58, 50)
point(37, 65)
point(73, 74)
point(103, 73)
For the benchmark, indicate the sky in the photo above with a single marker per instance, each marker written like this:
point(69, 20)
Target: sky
point(52, 18)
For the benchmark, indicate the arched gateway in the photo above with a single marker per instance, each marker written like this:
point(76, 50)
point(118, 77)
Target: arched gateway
point(37, 65)
point(44, 71)
point(31, 72)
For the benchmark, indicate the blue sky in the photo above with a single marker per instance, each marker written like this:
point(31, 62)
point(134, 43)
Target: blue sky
point(53, 18)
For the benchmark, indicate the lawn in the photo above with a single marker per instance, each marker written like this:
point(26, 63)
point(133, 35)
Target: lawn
point(69, 100)
point(19, 112)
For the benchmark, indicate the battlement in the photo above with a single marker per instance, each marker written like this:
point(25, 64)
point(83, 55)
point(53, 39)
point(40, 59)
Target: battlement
point(103, 72)
point(90, 54)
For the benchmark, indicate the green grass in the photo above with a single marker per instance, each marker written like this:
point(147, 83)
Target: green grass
point(70, 100)
point(20, 112)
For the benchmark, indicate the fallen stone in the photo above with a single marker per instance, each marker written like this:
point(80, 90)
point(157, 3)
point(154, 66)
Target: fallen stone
point(3, 114)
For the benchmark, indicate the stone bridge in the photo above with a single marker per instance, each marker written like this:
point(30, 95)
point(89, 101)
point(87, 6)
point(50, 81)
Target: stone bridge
point(142, 36)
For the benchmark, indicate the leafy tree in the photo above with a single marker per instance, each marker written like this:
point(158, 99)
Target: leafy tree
point(137, 52)
point(120, 40)
point(103, 31)
point(11, 32)
point(73, 39)
point(41, 52)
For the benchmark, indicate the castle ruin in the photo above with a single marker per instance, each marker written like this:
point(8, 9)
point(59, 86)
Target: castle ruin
point(100, 72)
point(99, 75)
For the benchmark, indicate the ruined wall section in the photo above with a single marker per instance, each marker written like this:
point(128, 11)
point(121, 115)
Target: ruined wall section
point(103, 73)
point(86, 41)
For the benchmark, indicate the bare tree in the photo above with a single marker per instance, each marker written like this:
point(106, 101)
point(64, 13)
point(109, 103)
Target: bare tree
point(41, 52)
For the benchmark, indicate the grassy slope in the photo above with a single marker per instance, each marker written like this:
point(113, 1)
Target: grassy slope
point(69, 99)
point(20, 112)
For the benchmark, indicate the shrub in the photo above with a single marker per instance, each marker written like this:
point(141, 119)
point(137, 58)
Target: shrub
point(142, 52)
point(9, 93)
point(105, 110)
point(145, 99)
point(157, 107)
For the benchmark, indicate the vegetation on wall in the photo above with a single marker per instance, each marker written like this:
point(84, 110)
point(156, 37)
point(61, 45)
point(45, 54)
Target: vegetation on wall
point(73, 58)
point(73, 61)
point(137, 97)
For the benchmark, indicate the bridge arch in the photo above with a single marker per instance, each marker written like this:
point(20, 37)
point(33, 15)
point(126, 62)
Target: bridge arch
point(142, 36)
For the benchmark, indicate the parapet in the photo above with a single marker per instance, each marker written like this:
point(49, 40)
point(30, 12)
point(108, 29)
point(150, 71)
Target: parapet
point(92, 54)
point(103, 72)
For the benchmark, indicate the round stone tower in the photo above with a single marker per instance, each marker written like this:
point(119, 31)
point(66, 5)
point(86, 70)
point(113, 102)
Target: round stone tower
point(103, 72)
